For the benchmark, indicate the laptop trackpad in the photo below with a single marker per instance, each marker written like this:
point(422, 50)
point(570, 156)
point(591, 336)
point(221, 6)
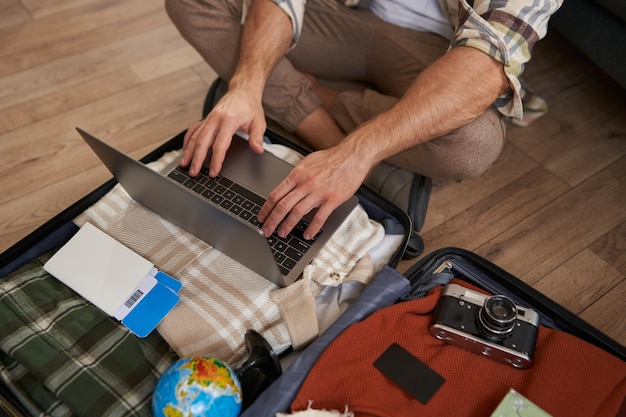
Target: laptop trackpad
point(259, 173)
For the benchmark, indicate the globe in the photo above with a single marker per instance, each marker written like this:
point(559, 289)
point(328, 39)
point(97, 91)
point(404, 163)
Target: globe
point(200, 386)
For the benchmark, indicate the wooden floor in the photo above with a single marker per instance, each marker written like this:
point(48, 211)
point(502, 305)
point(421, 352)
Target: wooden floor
point(552, 210)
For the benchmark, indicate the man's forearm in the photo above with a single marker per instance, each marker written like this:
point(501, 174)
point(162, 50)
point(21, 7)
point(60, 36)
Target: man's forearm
point(266, 37)
point(455, 90)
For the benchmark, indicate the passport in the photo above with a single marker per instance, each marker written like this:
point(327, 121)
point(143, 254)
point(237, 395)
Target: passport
point(115, 279)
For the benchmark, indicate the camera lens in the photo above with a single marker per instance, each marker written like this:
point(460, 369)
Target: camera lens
point(497, 316)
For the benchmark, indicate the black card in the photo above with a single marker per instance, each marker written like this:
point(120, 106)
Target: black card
point(410, 373)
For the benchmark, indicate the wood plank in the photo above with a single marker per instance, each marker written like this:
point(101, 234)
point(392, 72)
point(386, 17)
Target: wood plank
point(131, 119)
point(557, 70)
point(544, 240)
point(584, 128)
point(607, 314)
point(612, 248)
point(65, 99)
point(12, 13)
point(41, 8)
point(580, 281)
point(72, 70)
point(171, 60)
point(497, 212)
point(579, 137)
point(78, 30)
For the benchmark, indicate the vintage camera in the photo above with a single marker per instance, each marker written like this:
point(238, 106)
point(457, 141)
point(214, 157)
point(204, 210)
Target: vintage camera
point(491, 326)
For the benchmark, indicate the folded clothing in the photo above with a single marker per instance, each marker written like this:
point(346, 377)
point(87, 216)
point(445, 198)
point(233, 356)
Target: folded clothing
point(221, 298)
point(569, 377)
point(62, 356)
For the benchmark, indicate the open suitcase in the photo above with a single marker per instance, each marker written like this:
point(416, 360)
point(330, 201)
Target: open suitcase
point(476, 383)
point(388, 289)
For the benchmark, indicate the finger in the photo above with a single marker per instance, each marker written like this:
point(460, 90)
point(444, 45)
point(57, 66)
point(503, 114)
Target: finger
point(202, 140)
point(256, 139)
point(278, 205)
point(188, 144)
point(301, 209)
point(221, 144)
point(273, 198)
point(322, 214)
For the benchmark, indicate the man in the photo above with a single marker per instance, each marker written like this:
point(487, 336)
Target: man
point(444, 77)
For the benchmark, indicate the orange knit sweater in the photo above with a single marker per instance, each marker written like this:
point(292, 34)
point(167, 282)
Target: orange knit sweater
point(569, 377)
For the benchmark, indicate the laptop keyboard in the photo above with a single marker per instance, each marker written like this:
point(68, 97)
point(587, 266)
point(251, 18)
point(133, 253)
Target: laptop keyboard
point(245, 204)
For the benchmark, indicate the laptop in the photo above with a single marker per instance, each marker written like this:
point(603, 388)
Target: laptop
point(222, 211)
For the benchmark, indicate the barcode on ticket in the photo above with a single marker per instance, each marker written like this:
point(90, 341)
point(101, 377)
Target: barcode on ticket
point(133, 298)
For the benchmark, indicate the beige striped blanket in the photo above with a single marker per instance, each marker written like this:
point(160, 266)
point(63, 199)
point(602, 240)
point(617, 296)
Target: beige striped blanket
point(220, 298)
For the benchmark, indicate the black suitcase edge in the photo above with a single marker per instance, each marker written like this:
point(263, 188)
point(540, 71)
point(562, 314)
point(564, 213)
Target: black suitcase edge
point(562, 318)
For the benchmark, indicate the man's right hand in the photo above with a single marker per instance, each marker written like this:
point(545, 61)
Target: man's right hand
point(237, 110)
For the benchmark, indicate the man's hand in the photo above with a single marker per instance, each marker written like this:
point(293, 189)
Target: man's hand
point(265, 39)
point(323, 180)
point(237, 110)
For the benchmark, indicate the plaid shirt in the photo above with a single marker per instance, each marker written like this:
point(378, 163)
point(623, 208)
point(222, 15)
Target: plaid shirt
point(506, 30)
point(61, 356)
